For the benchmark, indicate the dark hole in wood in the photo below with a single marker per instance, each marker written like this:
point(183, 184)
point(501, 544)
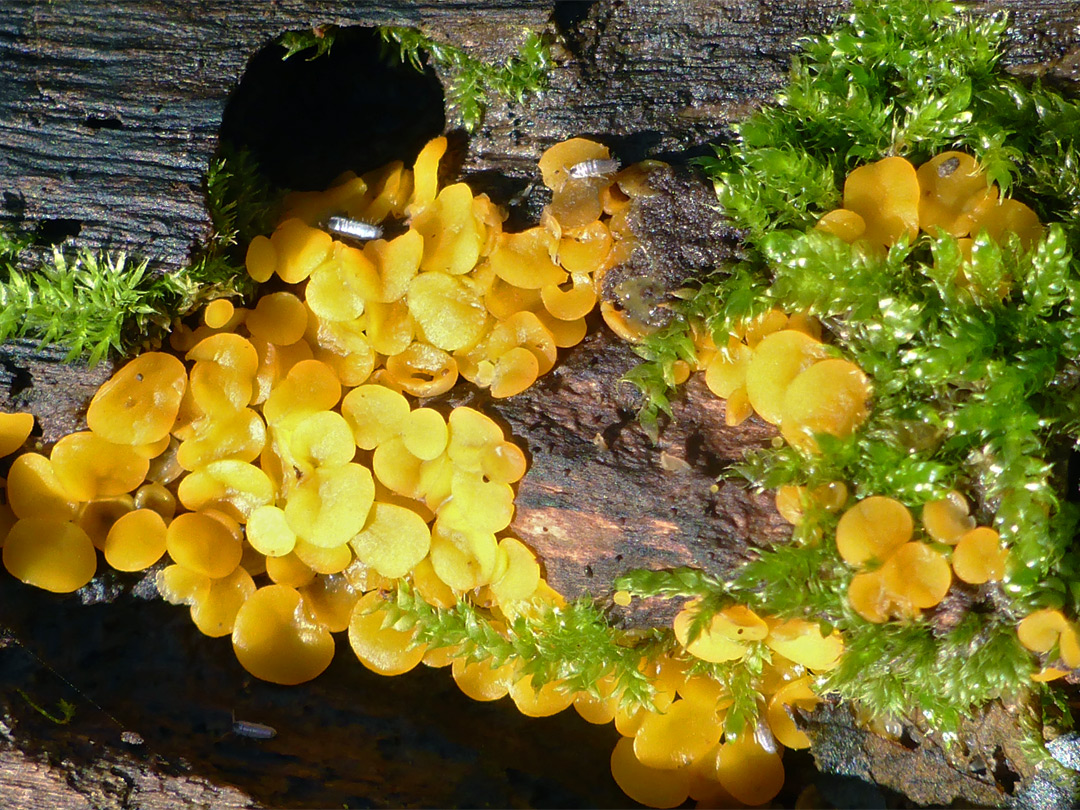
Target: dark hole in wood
point(1072, 477)
point(1003, 772)
point(55, 231)
point(15, 203)
point(306, 121)
point(102, 122)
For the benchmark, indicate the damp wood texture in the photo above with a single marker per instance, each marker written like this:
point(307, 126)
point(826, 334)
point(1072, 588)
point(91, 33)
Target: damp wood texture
point(110, 115)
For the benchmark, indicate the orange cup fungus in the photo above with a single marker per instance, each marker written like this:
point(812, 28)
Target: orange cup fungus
point(948, 194)
point(908, 575)
point(1054, 638)
point(282, 469)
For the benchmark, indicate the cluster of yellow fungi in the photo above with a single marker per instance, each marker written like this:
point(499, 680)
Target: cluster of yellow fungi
point(776, 366)
point(682, 750)
point(948, 194)
point(453, 294)
point(278, 476)
point(284, 473)
point(1055, 639)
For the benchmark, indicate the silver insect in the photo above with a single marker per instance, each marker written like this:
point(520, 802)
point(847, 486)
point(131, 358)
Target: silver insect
point(593, 168)
point(355, 229)
point(255, 731)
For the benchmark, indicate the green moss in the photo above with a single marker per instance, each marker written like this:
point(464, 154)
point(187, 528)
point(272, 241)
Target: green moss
point(972, 390)
point(473, 82)
point(100, 303)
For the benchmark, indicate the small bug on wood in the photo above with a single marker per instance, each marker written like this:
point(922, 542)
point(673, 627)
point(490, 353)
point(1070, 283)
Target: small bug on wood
point(593, 168)
point(355, 229)
point(255, 731)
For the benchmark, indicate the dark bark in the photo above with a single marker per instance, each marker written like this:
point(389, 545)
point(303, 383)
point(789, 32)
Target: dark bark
point(109, 115)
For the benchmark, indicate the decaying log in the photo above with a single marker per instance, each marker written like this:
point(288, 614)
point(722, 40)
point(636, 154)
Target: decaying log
point(109, 116)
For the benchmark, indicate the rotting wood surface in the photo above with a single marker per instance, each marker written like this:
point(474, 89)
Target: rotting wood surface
point(109, 115)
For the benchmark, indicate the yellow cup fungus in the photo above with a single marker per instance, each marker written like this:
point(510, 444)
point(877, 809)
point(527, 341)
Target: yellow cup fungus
point(948, 194)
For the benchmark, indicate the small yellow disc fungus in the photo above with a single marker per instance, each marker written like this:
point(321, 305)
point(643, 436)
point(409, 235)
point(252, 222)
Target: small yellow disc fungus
point(136, 541)
point(279, 318)
point(331, 599)
point(797, 694)
point(235, 487)
point(322, 439)
point(1039, 631)
point(652, 787)
point(218, 313)
point(214, 612)
point(522, 574)
point(261, 259)
point(873, 529)
point(503, 463)
point(452, 234)
point(570, 304)
point(598, 709)
point(544, 701)
point(92, 467)
point(846, 225)
point(336, 290)
point(237, 436)
point(676, 737)
point(1008, 216)
point(276, 640)
point(54, 555)
point(886, 195)
point(14, 431)
point(310, 386)
point(323, 560)
point(557, 160)
point(514, 371)
point(979, 556)
point(426, 173)
point(289, 570)
point(726, 373)
point(423, 370)
point(431, 587)
point(483, 505)
point(829, 397)
point(202, 544)
point(34, 490)
point(802, 642)
point(918, 573)
point(384, 650)
point(390, 327)
point(396, 263)
point(953, 189)
point(182, 586)
point(97, 517)
point(139, 403)
point(869, 597)
point(448, 311)
point(375, 413)
point(750, 773)
point(777, 360)
point(156, 497)
point(947, 520)
point(720, 640)
point(268, 531)
point(299, 249)
point(463, 558)
point(1069, 646)
point(524, 260)
point(482, 681)
point(331, 505)
point(424, 433)
point(393, 540)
